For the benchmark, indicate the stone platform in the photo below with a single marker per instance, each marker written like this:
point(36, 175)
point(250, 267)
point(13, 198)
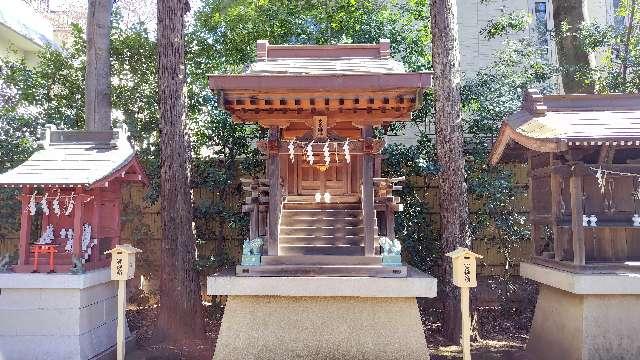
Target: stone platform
point(57, 316)
point(322, 317)
point(584, 316)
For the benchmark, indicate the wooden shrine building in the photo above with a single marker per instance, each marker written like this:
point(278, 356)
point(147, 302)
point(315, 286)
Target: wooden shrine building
point(583, 153)
point(71, 198)
point(323, 203)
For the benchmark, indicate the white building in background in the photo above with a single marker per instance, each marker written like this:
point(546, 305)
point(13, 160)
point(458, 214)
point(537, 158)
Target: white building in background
point(476, 52)
point(23, 32)
point(473, 15)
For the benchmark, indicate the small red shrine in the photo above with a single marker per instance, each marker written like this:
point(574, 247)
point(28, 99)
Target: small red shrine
point(72, 187)
point(323, 204)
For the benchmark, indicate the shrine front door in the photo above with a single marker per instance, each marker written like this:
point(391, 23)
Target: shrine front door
point(320, 178)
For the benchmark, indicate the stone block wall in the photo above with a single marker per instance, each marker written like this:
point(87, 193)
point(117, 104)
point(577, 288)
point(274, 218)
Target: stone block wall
point(74, 318)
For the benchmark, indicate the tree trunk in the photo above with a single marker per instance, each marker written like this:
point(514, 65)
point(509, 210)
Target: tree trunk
point(571, 57)
point(97, 101)
point(454, 209)
point(627, 44)
point(180, 300)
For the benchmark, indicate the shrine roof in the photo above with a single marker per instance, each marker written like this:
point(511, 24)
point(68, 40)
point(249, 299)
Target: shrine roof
point(325, 60)
point(280, 61)
point(322, 67)
point(78, 158)
point(294, 78)
point(553, 123)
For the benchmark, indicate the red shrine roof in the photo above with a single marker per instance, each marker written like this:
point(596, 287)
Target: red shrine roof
point(78, 158)
point(553, 123)
point(293, 82)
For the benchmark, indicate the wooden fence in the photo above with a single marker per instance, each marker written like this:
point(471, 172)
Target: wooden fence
point(219, 240)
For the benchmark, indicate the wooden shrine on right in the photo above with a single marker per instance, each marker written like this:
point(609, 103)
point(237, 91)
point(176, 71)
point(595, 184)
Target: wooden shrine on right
point(583, 155)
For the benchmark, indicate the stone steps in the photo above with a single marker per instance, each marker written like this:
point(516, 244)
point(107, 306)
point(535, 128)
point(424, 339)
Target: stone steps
point(321, 260)
point(321, 230)
point(357, 240)
point(321, 214)
point(335, 222)
point(323, 270)
point(305, 249)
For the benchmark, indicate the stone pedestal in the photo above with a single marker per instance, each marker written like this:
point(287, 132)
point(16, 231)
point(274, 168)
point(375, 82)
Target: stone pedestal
point(584, 316)
point(57, 316)
point(322, 317)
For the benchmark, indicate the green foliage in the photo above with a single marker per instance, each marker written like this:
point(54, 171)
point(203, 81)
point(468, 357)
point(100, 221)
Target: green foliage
point(52, 92)
point(615, 47)
point(222, 39)
point(514, 21)
point(30, 98)
point(226, 32)
point(487, 98)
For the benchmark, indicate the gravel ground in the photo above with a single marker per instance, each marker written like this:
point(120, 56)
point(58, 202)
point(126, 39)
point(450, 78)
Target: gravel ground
point(502, 334)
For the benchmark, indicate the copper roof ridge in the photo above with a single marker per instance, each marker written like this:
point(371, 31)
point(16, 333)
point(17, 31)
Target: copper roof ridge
point(325, 46)
point(265, 51)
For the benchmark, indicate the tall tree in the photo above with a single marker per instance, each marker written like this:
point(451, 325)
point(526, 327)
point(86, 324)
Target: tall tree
point(627, 43)
point(454, 210)
point(97, 103)
point(572, 58)
point(180, 301)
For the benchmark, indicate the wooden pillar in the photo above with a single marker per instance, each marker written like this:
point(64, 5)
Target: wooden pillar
point(575, 186)
point(116, 188)
point(377, 172)
point(25, 226)
point(367, 193)
point(254, 222)
point(390, 222)
point(46, 218)
point(274, 191)
point(535, 230)
point(556, 197)
point(77, 223)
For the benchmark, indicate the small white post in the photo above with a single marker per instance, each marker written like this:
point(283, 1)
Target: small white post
point(123, 265)
point(122, 297)
point(466, 323)
point(464, 277)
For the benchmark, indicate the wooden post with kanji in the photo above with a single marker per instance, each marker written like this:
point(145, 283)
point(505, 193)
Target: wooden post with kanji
point(464, 277)
point(123, 266)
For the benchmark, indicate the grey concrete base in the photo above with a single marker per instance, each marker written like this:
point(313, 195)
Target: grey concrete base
point(57, 316)
point(295, 327)
point(587, 325)
point(585, 284)
point(416, 284)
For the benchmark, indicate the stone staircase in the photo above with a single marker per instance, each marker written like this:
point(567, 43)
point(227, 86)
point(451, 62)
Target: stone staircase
point(320, 239)
point(321, 229)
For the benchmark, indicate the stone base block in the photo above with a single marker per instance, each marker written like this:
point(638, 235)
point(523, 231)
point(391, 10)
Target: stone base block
point(57, 316)
point(584, 317)
point(298, 327)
